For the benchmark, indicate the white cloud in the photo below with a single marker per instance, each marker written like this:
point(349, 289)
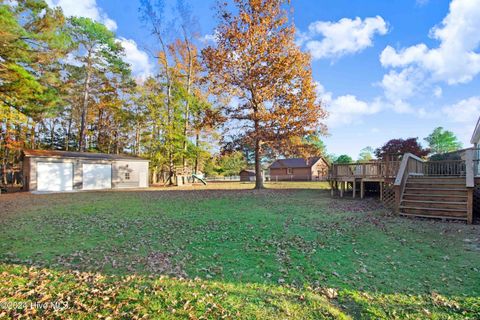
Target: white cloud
point(464, 114)
point(455, 60)
point(345, 109)
point(138, 59)
point(346, 36)
point(438, 92)
point(84, 8)
point(209, 38)
point(322, 93)
point(464, 111)
point(401, 85)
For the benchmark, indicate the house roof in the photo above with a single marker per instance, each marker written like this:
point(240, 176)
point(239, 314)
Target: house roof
point(250, 172)
point(294, 163)
point(476, 133)
point(75, 154)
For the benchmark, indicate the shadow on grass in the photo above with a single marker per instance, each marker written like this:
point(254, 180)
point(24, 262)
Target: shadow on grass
point(44, 293)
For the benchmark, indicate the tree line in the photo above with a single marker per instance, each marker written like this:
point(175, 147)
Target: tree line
point(65, 85)
point(441, 146)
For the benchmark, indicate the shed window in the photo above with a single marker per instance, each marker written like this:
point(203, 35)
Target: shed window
point(289, 171)
point(127, 175)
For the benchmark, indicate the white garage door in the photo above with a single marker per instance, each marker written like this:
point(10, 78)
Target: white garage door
point(97, 176)
point(53, 176)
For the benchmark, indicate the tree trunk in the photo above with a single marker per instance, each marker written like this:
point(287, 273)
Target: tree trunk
point(154, 175)
point(137, 139)
point(171, 165)
point(81, 137)
point(4, 170)
point(197, 142)
point(258, 164)
point(32, 135)
point(6, 153)
point(69, 131)
point(52, 134)
point(187, 105)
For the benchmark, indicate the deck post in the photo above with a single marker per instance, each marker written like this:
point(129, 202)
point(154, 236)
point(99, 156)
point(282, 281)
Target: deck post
point(354, 188)
point(386, 173)
point(342, 188)
point(397, 198)
point(381, 191)
point(469, 205)
point(362, 189)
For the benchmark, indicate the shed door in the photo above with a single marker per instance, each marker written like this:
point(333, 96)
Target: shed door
point(97, 176)
point(54, 176)
point(143, 177)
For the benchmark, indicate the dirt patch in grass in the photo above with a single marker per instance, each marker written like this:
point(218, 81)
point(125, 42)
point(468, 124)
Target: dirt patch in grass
point(163, 263)
point(355, 205)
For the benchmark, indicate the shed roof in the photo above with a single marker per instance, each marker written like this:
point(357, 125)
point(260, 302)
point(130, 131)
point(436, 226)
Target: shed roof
point(250, 172)
point(295, 163)
point(75, 154)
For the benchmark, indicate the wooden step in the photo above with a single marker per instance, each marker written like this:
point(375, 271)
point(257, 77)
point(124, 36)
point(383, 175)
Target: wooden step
point(436, 178)
point(448, 191)
point(434, 197)
point(435, 204)
point(437, 212)
point(437, 181)
point(435, 185)
point(431, 216)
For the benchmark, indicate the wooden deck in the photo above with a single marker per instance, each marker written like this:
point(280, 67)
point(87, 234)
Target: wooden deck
point(353, 176)
point(440, 189)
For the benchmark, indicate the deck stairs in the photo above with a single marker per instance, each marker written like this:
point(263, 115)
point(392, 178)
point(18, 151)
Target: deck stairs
point(435, 197)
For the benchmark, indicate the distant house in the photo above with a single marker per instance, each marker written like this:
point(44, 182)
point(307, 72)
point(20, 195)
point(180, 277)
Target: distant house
point(247, 175)
point(299, 169)
point(49, 170)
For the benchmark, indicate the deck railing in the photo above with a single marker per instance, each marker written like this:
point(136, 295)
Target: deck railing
point(371, 169)
point(476, 162)
point(413, 165)
point(444, 168)
point(410, 165)
point(468, 168)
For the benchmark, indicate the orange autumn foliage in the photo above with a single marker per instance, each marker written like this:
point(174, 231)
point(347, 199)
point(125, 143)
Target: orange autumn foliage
point(256, 60)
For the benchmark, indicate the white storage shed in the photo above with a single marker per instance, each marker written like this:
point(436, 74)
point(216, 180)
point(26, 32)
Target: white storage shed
point(51, 170)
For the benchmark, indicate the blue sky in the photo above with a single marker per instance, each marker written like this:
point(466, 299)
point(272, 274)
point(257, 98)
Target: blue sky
point(385, 69)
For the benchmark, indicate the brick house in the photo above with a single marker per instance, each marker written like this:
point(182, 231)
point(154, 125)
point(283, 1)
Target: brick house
point(299, 169)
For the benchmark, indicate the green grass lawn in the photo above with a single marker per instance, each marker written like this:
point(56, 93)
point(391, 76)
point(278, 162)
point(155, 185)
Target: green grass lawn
point(290, 252)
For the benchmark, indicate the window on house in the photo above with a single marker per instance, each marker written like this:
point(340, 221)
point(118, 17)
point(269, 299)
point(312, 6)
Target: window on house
point(289, 171)
point(127, 175)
